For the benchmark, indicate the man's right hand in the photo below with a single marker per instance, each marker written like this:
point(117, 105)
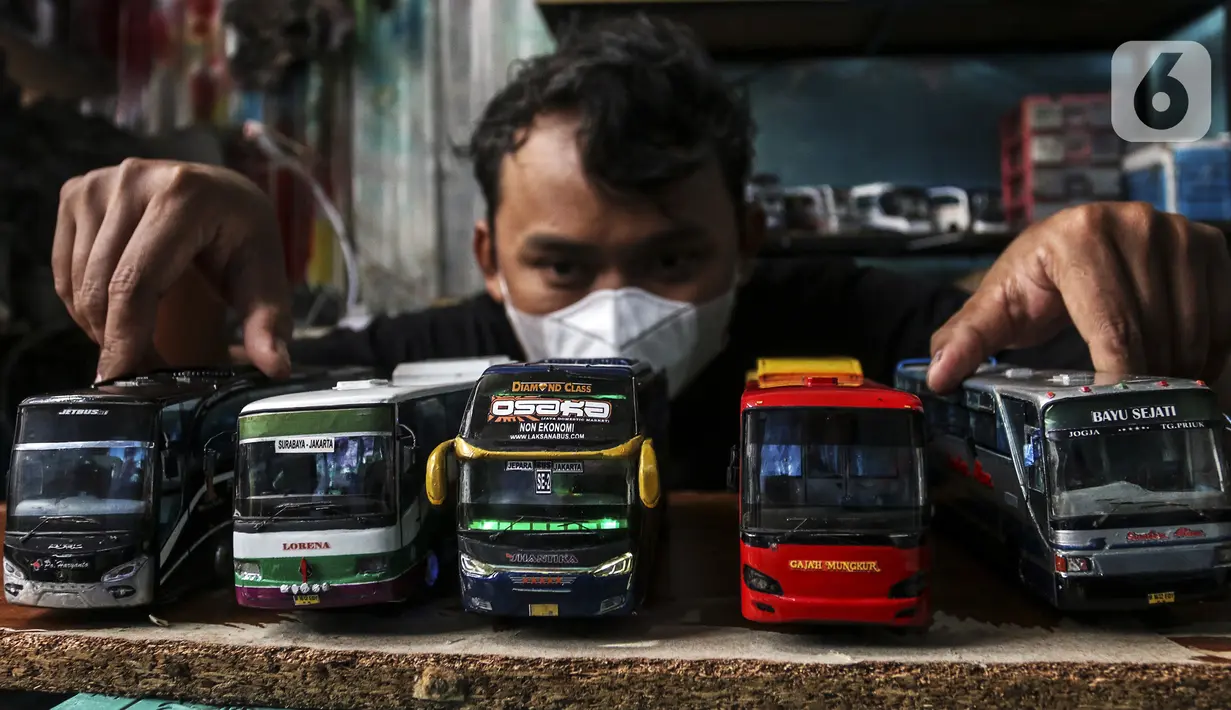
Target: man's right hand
point(126, 234)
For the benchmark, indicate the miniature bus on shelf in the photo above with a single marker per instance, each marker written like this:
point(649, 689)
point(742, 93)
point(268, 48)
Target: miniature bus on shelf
point(833, 504)
point(329, 505)
point(119, 494)
point(1105, 492)
point(559, 499)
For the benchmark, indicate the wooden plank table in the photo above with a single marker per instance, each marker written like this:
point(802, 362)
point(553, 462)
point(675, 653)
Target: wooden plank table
point(991, 645)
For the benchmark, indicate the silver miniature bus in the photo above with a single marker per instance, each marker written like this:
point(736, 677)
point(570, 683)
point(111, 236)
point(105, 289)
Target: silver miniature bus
point(1108, 492)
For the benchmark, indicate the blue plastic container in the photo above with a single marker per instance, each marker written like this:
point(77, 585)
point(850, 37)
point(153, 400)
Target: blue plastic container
point(1192, 179)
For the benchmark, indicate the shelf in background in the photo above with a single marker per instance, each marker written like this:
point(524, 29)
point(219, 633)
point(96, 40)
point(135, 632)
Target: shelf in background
point(791, 243)
point(872, 244)
point(762, 30)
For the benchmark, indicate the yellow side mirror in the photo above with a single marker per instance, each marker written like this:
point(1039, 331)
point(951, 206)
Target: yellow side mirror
point(647, 475)
point(437, 481)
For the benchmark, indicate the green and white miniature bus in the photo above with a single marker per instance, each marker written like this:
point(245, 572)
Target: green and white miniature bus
point(330, 506)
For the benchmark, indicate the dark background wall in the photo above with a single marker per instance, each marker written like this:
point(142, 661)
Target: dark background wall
point(910, 120)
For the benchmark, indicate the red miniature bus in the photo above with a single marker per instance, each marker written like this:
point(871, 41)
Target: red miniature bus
point(833, 504)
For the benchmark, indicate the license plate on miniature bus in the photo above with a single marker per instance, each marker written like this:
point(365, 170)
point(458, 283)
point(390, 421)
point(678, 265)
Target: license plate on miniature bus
point(1162, 598)
point(544, 610)
point(307, 599)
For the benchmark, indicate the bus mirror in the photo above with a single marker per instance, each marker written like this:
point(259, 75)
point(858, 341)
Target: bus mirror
point(733, 469)
point(211, 464)
point(437, 481)
point(647, 475)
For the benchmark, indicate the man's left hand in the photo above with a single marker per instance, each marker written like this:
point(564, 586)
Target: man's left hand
point(1150, 293)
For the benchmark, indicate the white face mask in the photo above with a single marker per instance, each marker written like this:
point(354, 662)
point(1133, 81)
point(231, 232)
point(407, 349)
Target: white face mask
point(677, 337)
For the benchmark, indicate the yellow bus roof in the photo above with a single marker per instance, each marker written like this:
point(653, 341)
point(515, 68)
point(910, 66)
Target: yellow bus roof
point(809, 366)
point(795, 371)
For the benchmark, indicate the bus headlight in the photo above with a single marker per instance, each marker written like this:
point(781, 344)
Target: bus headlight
point(1222, 556)
point(247, 569)
point(12, 571)
point(125, 570)
point(761, 582)
point(619, 565)
point(474, 568)
point(910, 587)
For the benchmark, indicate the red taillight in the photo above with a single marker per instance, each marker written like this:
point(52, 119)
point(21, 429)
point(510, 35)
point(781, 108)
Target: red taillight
point(1062, 565)
point(1163, 383)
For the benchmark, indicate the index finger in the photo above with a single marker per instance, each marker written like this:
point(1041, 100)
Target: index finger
point(1091, 286)
point(153, 260)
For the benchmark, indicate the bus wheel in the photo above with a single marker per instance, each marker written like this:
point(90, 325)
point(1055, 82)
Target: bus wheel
point(431, 569)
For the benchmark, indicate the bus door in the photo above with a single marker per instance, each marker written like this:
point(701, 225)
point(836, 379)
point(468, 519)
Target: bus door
point(949, 454)
point(409, 463)
point(1028, 504)
point(172, 490)
point(422, 425)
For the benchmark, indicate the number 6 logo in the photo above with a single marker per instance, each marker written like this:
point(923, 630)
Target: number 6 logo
point(1161, 91)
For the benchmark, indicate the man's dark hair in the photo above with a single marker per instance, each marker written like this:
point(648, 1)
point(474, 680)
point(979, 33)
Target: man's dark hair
point(653, 108)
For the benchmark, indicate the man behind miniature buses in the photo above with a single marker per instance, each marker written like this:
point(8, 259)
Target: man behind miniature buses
point(613, 170)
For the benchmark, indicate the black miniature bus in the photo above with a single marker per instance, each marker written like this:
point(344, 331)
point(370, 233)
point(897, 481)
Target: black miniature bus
point(558, 499)
point(119, 495)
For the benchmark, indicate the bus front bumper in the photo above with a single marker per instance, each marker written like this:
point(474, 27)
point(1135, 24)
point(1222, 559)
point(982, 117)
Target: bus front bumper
point(1139, 591)
point(774, 609)
point(323, 595)
point(548, 593)
point(134, 591)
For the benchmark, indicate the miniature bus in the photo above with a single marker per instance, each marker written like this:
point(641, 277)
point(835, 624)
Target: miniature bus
point(329, 506)
point(1104, 492)
point(833, 504)
point(119, 494)
point(559, 498)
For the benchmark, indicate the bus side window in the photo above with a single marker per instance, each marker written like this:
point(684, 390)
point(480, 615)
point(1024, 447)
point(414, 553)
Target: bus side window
point(1032, 457)
point(218, 424)
point(176, 418)
point(431, 426)
point(959, 419)
point(985, 430)
point(455, 410)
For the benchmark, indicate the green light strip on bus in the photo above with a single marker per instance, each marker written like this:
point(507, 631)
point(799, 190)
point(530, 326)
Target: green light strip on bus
point(565, 526)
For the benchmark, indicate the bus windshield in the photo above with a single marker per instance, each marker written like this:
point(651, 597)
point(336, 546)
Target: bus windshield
point(590, 494)
point(80, 460)
point(104, 480)
point(1135, 452)
point(351, 474)
point(908, 202)
point(986, 206)
point(552, 411)
point(813, 468)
